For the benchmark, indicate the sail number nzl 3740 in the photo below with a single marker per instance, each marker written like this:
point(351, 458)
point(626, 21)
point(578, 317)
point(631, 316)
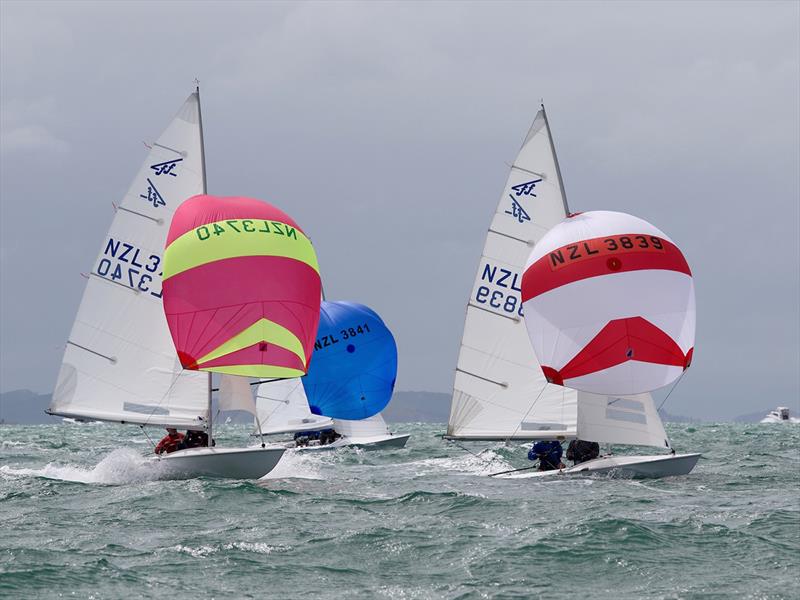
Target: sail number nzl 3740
point(130, 266)
point(245, 226)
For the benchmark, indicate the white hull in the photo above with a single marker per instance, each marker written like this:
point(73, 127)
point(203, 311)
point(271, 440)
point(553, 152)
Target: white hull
point(375, 442)
point(773, 419)
point(229, 463)
point(658, 465)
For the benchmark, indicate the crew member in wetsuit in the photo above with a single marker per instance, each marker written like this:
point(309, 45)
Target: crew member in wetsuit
point(328, 436)
point(170, 442)
point(580, 451)
point(195, 439)
point(548, 453)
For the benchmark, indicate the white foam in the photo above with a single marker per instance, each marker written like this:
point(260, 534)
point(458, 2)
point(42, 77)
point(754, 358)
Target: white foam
point(298, 465)
point(123, 465)
point(485, 462)
point(256, 547)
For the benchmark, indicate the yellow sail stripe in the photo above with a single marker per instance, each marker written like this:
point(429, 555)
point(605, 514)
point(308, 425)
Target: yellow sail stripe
point(262, 330)
point(234, 238)
point(258, 371)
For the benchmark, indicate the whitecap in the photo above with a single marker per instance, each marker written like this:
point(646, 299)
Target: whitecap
point(123, 465)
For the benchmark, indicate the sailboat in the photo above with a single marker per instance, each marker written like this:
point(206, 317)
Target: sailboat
point(351, 379)
point(119, 363)
point(500, 392)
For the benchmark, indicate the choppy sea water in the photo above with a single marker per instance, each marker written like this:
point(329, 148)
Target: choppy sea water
point(82, 515)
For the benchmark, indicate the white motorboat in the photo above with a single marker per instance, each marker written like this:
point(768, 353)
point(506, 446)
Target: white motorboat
point(780, 415)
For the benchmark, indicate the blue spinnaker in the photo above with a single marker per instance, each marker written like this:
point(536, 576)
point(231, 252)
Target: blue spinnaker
point(354, 364)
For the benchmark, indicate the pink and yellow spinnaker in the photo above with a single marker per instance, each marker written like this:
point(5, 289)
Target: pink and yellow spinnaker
point(241, 288)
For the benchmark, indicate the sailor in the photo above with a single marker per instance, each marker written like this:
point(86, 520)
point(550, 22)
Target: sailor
point(194, 439)
point(328, 436)
point(302, 438)
point(548, 453)
point(170, 442)
point(580, 451)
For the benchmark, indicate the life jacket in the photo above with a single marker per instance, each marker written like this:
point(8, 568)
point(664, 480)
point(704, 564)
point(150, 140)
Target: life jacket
point(169, 443)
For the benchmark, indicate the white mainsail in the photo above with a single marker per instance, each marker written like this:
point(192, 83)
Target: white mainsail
point(120, 363)
point(499, 390)
point(282, 407)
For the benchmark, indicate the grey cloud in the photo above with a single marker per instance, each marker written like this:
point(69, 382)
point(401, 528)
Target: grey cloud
point(384, 129)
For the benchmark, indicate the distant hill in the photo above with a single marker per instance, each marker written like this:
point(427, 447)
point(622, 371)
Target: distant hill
point(425, 407)
point(669, 418)
point(751, 417)
point(24, 407)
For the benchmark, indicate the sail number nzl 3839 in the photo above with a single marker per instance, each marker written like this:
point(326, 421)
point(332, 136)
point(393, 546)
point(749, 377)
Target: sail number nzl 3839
point(499, 289)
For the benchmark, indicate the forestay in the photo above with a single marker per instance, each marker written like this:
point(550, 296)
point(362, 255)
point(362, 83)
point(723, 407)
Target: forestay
point(499, 390)
point(119, 363)
point(282, 408)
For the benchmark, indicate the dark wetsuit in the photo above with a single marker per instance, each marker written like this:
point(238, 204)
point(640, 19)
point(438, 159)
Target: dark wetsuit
point(548, 453)
point(580, 451)
point(195, 439)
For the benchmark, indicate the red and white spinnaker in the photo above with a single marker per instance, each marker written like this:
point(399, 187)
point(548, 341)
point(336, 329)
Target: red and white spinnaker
point(609, 305)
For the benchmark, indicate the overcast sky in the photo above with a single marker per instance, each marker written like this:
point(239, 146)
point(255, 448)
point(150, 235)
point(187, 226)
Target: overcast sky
point(385, 130)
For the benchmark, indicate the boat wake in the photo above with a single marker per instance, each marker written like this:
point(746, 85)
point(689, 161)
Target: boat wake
point(119, 467)
point(298, 465)
point(483, 463)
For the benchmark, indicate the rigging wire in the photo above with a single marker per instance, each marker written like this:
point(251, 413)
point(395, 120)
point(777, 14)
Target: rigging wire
point(144, 431)
point(158, 404)
point(530, 408)
point(489, 462)
point(674, 385)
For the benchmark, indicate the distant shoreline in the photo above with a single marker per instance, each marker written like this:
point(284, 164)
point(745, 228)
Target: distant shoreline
point(25, 407)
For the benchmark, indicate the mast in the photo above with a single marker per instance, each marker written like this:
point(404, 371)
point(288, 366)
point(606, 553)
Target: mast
point(205, 191)
point(555, 160)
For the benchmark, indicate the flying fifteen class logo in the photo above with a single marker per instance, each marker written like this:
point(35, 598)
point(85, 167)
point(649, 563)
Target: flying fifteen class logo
point(166, 167)
point(153, 196)
point(526, 188)
point(517, 211)
point(521, 189)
